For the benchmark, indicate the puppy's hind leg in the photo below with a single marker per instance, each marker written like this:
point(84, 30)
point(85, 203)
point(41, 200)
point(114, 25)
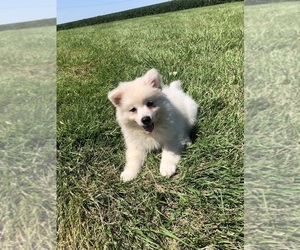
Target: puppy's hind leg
point(176, 84)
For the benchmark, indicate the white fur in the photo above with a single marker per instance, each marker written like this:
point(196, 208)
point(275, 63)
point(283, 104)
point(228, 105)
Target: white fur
point(173, 114)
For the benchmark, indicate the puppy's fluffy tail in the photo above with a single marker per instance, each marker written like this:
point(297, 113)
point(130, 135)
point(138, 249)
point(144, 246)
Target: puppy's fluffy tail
point(176, 84)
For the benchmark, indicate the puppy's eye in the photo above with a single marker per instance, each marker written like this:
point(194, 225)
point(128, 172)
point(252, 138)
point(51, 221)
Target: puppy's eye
point(132, 110)
point(150, 104)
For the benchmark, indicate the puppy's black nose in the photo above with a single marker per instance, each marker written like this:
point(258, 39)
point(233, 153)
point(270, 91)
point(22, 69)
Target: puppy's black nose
point(146, 120)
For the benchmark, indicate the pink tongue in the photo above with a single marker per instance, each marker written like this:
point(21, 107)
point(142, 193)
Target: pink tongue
point(149, 128)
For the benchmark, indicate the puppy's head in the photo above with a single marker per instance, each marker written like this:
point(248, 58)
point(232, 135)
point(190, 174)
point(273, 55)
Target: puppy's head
point(137, 102)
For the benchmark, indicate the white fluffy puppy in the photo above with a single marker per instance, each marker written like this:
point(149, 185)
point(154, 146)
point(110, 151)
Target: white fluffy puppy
point(153, 116)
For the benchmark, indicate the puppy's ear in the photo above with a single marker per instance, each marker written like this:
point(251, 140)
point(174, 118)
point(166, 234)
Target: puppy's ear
point(115, 96)
point(153, 78)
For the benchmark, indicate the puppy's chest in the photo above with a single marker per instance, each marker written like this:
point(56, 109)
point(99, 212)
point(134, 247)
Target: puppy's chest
point(142, 140)
point(151, 143)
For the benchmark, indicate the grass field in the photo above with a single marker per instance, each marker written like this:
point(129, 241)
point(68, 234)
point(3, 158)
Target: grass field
point(201, 207)
point(272, 125)
point(27, 138)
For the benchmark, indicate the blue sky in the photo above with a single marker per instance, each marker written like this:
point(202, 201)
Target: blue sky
point(14, 11)
point(71, 10)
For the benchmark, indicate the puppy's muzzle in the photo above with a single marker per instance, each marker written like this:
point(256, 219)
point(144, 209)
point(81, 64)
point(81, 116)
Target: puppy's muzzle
point(146, 120)
point(148, 124)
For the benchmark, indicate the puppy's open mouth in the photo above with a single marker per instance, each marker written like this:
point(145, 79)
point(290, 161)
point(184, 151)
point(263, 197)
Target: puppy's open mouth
point(149, 128)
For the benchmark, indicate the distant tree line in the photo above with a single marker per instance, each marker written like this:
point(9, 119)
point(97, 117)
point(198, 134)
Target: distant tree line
point(30, 24)
point(143, 11)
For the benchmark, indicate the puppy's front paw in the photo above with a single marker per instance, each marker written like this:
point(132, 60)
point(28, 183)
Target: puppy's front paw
point(128, 175)
point(167, 170)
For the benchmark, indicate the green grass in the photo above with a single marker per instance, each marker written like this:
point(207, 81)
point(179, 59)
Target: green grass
point(272, 125)
point(201, 207)
point(27, 144)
